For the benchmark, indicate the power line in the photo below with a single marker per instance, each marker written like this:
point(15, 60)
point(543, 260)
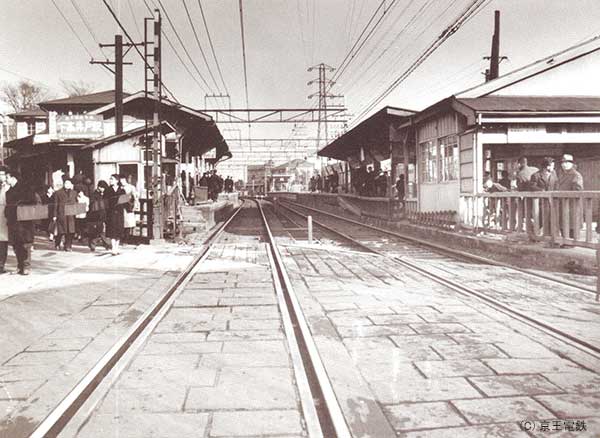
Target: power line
point(212, 48)
point(177, 53)
point(114, 15)
point(187, 12)
point(244, 55)
point(72, 29)
point(185, 50)
point(137, 28)
point(447, 33)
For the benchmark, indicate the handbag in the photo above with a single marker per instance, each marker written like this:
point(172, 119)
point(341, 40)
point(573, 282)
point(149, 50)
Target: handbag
point(52, 227)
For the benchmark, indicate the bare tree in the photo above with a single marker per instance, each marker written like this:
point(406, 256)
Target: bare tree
point(23, 96)
point(77, 88)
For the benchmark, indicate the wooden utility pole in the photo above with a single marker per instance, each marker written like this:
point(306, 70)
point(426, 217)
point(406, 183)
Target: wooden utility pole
point(117, 70)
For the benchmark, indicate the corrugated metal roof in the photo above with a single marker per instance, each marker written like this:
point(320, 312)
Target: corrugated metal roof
point(533, 103)
point(34, 112)
point(99, 98)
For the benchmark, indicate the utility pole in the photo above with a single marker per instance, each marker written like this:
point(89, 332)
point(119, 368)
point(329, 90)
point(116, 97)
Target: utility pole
point(324, 84)
point(116, 67)
point(494, 71)
point(157, 183)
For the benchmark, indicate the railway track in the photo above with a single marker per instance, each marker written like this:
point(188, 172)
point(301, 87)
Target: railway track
point(426, 260)
point(320, 409)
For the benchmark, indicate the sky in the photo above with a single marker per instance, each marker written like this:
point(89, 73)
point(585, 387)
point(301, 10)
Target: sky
point(284, 38)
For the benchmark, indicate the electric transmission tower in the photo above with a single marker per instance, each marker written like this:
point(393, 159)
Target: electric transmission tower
point(323, 93)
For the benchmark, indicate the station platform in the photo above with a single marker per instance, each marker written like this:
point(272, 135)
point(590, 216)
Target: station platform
point(405, 355)
point(517, 251)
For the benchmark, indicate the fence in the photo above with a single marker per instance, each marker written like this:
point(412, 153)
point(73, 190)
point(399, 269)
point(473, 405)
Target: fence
point(558, 217)
point(171, 216)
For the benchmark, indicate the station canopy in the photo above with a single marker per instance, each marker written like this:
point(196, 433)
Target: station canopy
point(373, 135)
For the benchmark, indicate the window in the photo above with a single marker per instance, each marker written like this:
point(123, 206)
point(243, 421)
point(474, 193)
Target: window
point(30, 127)
point(448, 158)
point(428, 163)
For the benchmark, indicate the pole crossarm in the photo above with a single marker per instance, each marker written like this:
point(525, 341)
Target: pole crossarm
point(276, 115)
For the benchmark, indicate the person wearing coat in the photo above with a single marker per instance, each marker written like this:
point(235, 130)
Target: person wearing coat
point(570, 180)
point(21, 233)
point(3, 224)
point(544, 180)
point(65, 224)
point(96, 217)
point(115, 213)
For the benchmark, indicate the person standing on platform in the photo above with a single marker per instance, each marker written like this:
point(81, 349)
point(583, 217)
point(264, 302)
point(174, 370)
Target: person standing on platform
point(3, 224)
point(129, 221)
point(65, 224)
point(115, 213)
point(400, 189)
point(20, 232)
point(96, 217)
point(505, 180)
point(570, 180)
point(523, 178)
point(545, 180)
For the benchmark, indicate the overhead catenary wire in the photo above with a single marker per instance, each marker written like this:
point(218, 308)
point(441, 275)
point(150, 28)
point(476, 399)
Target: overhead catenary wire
point(447, 33)
point(212, 47)
point(136, 48)
point(183, 45)
point(189, 17)
point(244, 58)
point(87, 25)
point(72, 29)
point(135, 23)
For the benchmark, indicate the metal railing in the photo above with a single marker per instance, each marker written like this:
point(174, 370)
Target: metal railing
point(559, 217)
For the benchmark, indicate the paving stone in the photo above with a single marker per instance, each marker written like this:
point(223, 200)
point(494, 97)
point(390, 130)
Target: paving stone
point(241, 301)
point(530, 366)
point(367, 343)
point(391, 371)
point(409, 416)
point(406, 353)
point(179, 361)
point(338, 306)
point(168, 338)
point(520, 349)
point(152, 377)
point(439, 328)
point(19, 390)
point(578, 382)
point(342, 321)
point(161, 348)
point(255, 312)
point(246, 388)
point(254, 359)
point(468, 351)
point(29, 372)
point(434, 339)
point(420, 310)
point(256, 335)
point(41, 357)
point(182, 326)
point(379, 330)
point(255, 324)
point(259, 423)
point(193, 299)
point(55, 344)
point(451, 388)
point(499, 410)
point(530, 384)
point(506, 430)
point(453, 368)
point(124, 401)
point(572, 405)
point(395, 319)
point(145, 425)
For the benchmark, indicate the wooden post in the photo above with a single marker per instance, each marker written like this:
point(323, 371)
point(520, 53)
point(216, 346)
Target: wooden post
point(310, 230)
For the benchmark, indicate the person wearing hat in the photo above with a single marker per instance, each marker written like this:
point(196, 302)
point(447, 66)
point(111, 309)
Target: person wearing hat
point(544, 180)
point(569, 180)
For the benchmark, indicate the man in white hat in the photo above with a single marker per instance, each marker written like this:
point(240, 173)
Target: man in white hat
point(570, 179)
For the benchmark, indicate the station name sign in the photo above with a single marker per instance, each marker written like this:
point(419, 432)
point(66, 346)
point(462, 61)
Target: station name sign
point(79, 126)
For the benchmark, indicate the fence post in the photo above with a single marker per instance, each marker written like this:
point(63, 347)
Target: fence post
point(310, 230)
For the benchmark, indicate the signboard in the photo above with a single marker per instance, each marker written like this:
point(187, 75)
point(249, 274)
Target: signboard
point(79, 126)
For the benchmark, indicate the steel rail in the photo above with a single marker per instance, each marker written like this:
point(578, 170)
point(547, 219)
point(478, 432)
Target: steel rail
point(334, 415)
point(448, 251)
point(495, 304)
point(60, 416)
